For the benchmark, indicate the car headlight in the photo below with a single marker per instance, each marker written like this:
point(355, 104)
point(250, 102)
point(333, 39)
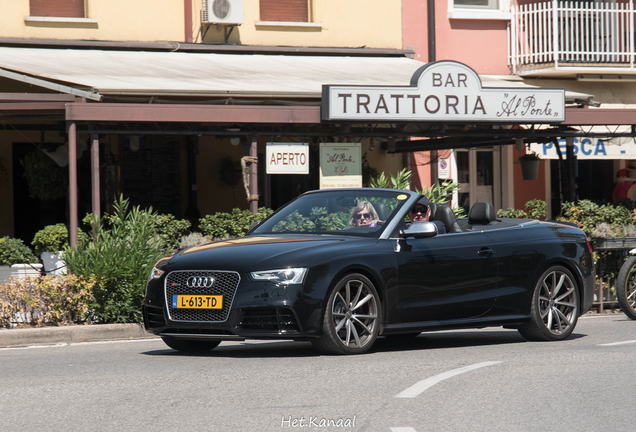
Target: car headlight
point(288, 276)
point(158, 269)
point(155, 273)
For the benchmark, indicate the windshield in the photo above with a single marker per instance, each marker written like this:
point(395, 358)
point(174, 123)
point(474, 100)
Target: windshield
point(360, 213)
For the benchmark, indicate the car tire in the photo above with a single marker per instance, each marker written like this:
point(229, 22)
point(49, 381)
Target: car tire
point(555, 306)
point(352, 317)
point(626, 287)
point(188, 345)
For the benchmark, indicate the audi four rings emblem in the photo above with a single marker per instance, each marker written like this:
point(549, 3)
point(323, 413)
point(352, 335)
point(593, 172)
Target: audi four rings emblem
point(200, 281)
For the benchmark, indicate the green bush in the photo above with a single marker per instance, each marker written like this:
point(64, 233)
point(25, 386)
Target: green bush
point(588, 214)
point(51, 238)
point(439, 193)
point(54, 238)
point(512, 213)
point(170, 230)
point(235, 224)
point(120, 253)
point(14, 251)
point(536, 210)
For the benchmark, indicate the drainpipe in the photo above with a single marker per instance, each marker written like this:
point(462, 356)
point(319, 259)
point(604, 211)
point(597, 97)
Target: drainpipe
point(187, 10)
point(431, 30)
point(431, 58)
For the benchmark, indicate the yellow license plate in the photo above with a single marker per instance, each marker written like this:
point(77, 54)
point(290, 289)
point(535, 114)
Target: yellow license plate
point(197, 302)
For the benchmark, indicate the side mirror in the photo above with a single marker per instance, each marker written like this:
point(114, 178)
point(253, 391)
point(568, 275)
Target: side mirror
point(420, 230)
point(253, 225)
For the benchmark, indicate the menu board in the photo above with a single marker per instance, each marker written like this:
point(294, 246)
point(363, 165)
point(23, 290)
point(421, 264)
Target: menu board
point(151, 174)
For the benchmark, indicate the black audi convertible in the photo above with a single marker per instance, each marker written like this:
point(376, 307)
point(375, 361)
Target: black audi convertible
point(313, 272)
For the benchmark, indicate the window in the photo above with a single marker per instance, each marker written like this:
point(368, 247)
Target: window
point(479, 9)
point(478, 4)
point(57, 8)
point(284, 10)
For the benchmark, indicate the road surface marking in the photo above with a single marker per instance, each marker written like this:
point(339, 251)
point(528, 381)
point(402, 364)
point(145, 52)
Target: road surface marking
point(619, 343)
point(66, 344)
point(403, 429)
point(421, 386)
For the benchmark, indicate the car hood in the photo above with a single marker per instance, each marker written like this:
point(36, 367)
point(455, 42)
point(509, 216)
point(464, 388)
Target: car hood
point(263, 252)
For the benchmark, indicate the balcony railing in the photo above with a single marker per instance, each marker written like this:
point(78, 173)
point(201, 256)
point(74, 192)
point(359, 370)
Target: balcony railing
point(580, 36)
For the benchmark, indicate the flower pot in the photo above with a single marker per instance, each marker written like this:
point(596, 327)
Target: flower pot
point(53, 263)
point(529, 169)
point(20, 271)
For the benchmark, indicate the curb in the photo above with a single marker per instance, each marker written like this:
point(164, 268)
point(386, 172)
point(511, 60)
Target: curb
point(10, 338)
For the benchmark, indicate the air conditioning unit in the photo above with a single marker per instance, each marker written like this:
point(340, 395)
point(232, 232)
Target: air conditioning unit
point(222, 12)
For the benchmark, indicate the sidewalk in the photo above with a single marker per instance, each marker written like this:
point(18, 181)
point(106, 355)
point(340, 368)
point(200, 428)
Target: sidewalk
point(21, 337)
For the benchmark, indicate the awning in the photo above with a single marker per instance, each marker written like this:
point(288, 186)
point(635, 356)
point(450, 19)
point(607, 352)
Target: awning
point(95, 73)
point(107, 72)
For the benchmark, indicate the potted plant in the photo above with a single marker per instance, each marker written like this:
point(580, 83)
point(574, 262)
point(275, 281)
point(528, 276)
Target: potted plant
point(49, 243)
point(529, 165)
point(17, 260)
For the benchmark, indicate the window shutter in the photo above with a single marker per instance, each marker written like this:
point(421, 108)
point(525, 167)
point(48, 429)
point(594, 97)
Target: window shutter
point(57, 8)
point(284, 10)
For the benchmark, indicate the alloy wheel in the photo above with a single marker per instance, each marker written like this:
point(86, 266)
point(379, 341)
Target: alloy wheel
point(558, 302)
point(355, 314)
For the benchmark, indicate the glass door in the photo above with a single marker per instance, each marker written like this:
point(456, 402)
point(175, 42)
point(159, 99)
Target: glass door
point(476, 170)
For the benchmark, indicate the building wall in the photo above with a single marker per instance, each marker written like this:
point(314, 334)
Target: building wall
point(479, 43)
point(526, 190)
point(354, 23)
point(118, 20)
point(348, 24)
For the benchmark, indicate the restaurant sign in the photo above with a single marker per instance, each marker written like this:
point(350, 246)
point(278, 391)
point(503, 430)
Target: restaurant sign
point(340, 165)
point(589, 148)
point(443, 91)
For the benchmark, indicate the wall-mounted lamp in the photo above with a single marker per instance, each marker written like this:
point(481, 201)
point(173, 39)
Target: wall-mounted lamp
point(519, 144)
point(371, 145)
point(134, 143)
point(234, 140)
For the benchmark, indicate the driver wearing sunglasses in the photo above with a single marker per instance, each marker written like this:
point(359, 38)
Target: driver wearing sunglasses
point(364, 214)
point(421, 212)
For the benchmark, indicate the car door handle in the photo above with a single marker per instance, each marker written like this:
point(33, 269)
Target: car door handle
point(485, 252)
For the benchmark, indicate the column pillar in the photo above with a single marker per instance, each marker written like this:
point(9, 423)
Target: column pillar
point(72, 181)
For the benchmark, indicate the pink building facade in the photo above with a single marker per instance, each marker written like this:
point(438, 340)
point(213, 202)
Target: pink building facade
point(541, 43)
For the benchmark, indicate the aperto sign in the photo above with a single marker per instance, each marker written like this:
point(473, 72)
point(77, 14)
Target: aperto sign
point(443, 91)
point(287, 158)
point(589, 148)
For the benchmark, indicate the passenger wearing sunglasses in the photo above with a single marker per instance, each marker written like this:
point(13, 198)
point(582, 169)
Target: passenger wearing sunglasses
point(364, 214)
point(421, 212)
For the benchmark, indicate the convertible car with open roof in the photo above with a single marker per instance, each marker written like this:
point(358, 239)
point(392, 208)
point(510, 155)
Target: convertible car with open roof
point(312, 272)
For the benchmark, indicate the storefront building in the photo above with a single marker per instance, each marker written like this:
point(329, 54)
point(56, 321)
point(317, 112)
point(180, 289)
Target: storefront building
point(582, 47)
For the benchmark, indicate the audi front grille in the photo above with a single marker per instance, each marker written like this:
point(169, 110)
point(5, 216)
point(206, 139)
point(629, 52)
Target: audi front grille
point(201, 282)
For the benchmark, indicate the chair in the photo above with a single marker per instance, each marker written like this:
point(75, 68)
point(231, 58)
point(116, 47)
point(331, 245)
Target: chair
point(445, 215)
point(433, 206)
point(481, 213)
point(381, 210)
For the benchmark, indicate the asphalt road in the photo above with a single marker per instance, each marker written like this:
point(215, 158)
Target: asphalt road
point(477, 380)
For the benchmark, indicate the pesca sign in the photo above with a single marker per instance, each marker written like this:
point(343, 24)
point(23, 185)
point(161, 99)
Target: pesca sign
point(443, 91)
point(287, 158)
point(588, 148)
